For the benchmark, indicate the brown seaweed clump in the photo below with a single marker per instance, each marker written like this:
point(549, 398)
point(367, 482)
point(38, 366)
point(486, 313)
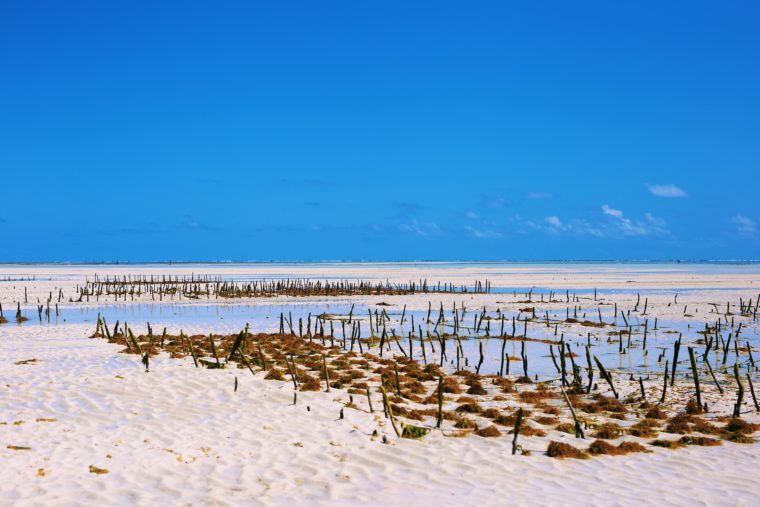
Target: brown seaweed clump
point(529, 431)
point(566, 427)
point(703, 441)
point(464, 423)
point(646, 428)
point(561, 450)
point(309, 383)
point(506, 385)
point(451, 386)
point(547, 420)
point(603, 403)
point(275, 374)
point(692, 407)
point(490, 413)
point(608, 431)
point(470, 408)
point(655, 413)
point(632, 447)
point(738, 425)
point(679, 424)
point(490, 431)
point(667, 444)
point(477, 389)
point(599, 447)
point(738, 431)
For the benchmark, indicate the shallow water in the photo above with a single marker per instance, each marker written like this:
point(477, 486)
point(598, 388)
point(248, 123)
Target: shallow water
point(231, 317)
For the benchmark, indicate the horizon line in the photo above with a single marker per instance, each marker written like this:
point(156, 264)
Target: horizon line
point(366, 261)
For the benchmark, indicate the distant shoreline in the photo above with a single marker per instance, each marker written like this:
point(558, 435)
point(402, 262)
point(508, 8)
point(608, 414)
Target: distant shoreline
point(385, 262)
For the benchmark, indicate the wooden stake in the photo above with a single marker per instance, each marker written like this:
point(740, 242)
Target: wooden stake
point(516, 430)
point(695, 373)
point(605, 375)
point(327, 376)
point(439, 418)
point(578, 429)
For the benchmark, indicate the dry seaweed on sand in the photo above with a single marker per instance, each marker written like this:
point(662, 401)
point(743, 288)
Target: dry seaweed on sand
point(489, 431)
point(703, 441)
point(667, 444)
point(566, 427)
point(645, 428)
point(608, 431)
point(561, 450)
point(465, 423)
point(599, 447)
point(413, 432)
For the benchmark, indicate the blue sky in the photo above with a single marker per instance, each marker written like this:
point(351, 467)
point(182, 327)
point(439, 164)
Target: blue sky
point(379, 131)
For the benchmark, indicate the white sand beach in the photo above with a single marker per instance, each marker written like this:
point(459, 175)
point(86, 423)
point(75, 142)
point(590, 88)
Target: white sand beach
point(181, 435)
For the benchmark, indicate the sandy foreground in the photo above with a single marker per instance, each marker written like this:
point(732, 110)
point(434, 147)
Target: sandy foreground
point(182, 436)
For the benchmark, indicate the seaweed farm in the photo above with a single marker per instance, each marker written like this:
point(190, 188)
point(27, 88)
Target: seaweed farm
point(573, 362)
point(380, 370)
point(635, 340)
point(196, 287)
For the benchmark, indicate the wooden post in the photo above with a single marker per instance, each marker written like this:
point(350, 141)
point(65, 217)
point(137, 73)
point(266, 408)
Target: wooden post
point(292, 374)
point(676, 349)
point(369, 402)
point(518, 423)
point(262, 357)
point(439, 418)
point(665, 383)
point(606, 376)
point(695, 372)
point(578, 429)
point(327, 375)
point(740, 393)
point(752, 390)
point(389, 411)
point(709, 367)
point(213, 349)
point(503, 347)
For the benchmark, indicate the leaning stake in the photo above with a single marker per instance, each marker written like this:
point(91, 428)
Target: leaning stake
point(605, 375)
point(696, 375)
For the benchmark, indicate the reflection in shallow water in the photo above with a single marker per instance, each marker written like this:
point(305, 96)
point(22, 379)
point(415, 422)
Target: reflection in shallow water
point(605, 341)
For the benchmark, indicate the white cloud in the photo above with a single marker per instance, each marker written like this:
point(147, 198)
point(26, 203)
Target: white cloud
point(657, 225)
point(553, 224)
point(613, 224)
point(744, 226)
point(612, 211)
point(420, 229)
point(538, 195)
point(471, 215)
point(669, 190)
point(629, 227)
point(588, 228)
point(482, 233)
